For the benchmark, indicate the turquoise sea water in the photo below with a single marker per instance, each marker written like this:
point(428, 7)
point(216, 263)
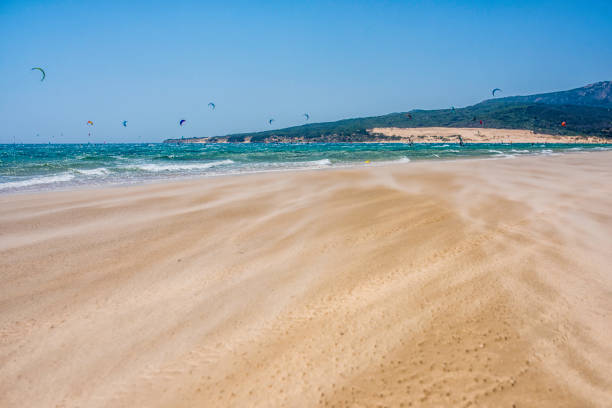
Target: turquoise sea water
point(64, 166)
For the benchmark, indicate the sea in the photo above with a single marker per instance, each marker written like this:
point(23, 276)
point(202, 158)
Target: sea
point(37, 167)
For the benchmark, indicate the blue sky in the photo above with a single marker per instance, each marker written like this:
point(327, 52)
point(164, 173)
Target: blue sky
point(153, 63)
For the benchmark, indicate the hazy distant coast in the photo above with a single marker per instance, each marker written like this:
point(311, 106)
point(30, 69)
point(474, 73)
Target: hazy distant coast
point(429, 135)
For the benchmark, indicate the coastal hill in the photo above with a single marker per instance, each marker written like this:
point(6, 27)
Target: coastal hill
point(598, 94)
point(586, 111)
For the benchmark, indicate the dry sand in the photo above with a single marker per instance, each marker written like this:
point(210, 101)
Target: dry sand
point(481, 135)
point(476, 282)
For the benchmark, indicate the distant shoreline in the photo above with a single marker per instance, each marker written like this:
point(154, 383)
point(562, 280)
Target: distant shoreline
point(424, 135)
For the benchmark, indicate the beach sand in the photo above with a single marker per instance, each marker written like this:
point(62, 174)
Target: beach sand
point(474, 282)
point(481, 135)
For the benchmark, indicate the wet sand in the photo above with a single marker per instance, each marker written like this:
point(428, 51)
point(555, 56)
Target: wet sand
point(465, 283)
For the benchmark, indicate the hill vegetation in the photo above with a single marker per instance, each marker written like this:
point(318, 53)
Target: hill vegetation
point(597, 94)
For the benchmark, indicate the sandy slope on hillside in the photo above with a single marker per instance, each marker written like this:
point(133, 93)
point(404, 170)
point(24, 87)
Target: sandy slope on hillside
point(480, 135)
point(476, 282)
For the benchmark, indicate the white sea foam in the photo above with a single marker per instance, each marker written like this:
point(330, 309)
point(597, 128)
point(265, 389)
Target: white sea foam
point(520, 151)
point(444, 145)
point(292, 165)
point(37, 181)
point(100, 171)
point(322, 162)
point(178, 167)
point(402, 160)
point(504, 156)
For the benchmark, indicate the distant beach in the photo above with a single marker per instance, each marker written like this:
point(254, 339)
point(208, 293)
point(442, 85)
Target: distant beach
point(433, 283)
point(483, 135)
point(422, 135)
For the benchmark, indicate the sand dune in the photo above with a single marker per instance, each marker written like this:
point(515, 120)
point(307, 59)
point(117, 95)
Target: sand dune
point(475, 282)
point(481, 135)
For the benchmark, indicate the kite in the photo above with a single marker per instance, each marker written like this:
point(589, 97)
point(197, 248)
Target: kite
point(89, 123)
point(181, 122)
point(563, 123)
point(212, 105)
point(495, 90)
point(270, 121)
point(124, 123)
point(307, 116)
point(42, 71)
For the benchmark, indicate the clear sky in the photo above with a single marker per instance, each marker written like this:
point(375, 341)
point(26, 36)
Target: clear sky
point(153, 63)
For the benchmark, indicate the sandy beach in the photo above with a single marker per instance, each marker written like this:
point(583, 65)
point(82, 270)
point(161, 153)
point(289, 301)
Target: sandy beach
point(462, 283)
point(480, 135)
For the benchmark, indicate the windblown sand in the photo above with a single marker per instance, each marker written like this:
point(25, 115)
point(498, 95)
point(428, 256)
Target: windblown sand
point(476, 282)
